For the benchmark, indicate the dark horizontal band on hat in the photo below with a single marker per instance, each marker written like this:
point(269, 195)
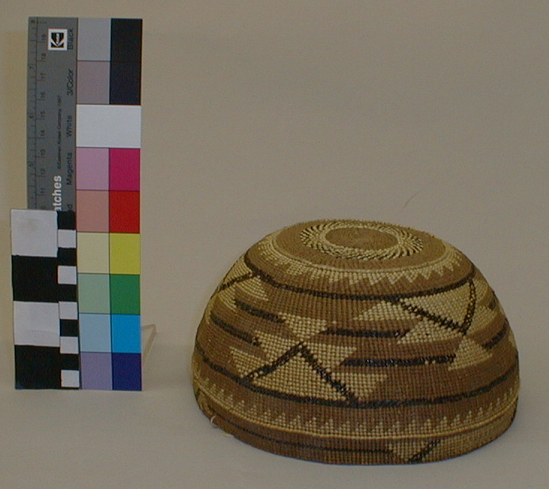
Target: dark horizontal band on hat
point(373, 404)
point(257, 272)
point(352, 333)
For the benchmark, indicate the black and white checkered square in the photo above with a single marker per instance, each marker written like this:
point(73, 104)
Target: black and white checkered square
point(44, 278)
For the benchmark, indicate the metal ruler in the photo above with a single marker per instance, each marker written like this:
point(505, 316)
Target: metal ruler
point(51, 113)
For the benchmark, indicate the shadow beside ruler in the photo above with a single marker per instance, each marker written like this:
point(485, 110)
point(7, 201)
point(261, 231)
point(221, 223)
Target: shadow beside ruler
point(51, 113)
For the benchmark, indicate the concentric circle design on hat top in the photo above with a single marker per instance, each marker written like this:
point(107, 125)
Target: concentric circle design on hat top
point(363, 255)
point(360, 342)
point(362, 241)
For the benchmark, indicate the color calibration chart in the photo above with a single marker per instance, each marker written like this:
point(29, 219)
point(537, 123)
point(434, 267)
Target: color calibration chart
point(76, 250)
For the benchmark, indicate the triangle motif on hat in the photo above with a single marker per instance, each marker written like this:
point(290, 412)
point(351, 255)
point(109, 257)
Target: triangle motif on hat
point(304, 327)
point(238, 270)
point(296, 367)
point(274, 346)
point(511, 338)
point(384, 311)
point(482, 318)
point(298, 378)
point(427, 332)
point(452, 304)
point(254, 287)
point(469, 353)
point(361, 385)
point(330, 356)
point(228, 297)
point(245, 363)
point(483, 290)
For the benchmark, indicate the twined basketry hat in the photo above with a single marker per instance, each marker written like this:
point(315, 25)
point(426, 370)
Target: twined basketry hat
point(356, 342)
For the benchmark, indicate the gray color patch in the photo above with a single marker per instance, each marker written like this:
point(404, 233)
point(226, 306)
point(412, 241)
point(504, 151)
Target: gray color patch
point(94, 39)
point(93, 82)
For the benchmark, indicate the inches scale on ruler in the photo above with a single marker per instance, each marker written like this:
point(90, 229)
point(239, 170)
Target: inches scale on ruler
point(51, 105)
point(76, 249)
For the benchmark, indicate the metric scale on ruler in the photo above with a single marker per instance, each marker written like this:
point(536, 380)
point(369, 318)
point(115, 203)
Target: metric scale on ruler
point(51, 113)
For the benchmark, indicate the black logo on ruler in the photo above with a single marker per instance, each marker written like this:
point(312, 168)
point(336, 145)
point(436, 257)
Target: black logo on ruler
point(57, 39)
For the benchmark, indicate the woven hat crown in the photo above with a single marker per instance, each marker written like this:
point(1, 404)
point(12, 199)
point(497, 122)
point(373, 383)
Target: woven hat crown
point(356, 342)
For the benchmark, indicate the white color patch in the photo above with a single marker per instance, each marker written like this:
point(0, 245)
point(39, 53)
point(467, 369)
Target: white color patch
point(69, 345)
point(36, 323)
point(66, 275)
point(66, 238)
point(108, 126)
point(33, 232)
point(70, 378)
point(68, 310)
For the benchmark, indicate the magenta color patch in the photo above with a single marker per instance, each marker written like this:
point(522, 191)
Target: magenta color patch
point(124, 169)
point(92, 169)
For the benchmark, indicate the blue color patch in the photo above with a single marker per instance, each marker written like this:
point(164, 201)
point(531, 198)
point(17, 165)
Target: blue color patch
point(126, 333)
point(126, 371)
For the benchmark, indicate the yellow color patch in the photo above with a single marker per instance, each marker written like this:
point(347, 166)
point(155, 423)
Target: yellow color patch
point(125, 254)
point(93, 252)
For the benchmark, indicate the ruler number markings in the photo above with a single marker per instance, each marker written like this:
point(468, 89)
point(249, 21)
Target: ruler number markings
point(51, 108)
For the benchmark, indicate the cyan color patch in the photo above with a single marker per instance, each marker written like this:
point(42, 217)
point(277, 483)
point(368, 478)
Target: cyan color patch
point(126, 333)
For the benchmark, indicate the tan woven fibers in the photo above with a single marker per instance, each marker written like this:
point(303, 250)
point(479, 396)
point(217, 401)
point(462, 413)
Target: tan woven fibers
point(356, 342)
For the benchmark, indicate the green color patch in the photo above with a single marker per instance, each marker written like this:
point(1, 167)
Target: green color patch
point(125, 294)
point(93, 293)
